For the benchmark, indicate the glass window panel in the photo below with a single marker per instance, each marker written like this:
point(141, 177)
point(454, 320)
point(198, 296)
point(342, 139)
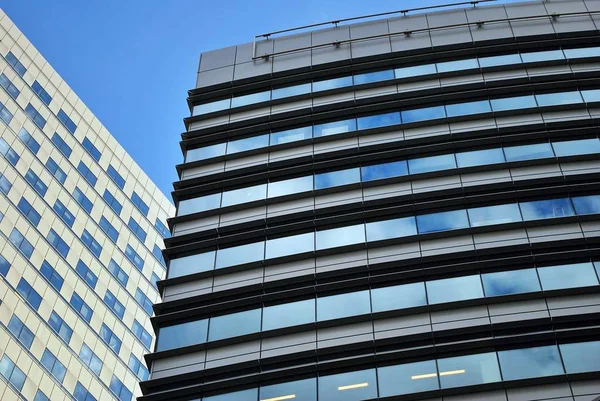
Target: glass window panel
point(291, 135)
point(530, 362)
point(480, 157)
point(244, 195)
point(587, 204)
point(424, 114)
point(546, 209)
point(242, 145)
point(244, 395)
point(206, 152)
point(348, 386)
point(289, 187)
point(251, 98)
point(195, 205)
point(583, 52)
point(205, 108)
point(375, 76)
point(343, 305)
point(182, 335)
point(468, 108)
point(510, 282)
point(379, 120)
point(581, 357)
point(432, 163)
point(494, 61)
point(542, 56)
point(386, 229)
point(340, 236)
point(444, 221)
point(591, 95)
point(458, 65)
point(291, 91)
point(468, 370)
point(513, 103)
point(290, 314)
point(191, 264)
point(300, 390)
point(562, 98)
point(291, 245)
point(384, 170)
point(334, 83)
point(490, 215)
point(581, 147)
point(528, 152)
point(454, 289)
point(240, 254)
point(567, 276)
point(337, 178)
point(334, 127)
point(234, 324)
point(407, 378)
point(398, 297)
point(414, 71)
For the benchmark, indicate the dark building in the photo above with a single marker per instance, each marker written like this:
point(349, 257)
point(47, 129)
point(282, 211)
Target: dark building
point(404, 208)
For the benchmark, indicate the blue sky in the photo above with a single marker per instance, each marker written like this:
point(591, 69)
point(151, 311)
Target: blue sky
point(132, 61)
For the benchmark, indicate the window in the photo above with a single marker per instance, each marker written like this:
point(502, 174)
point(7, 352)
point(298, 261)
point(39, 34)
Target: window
point(8, 152)
point(337, 178)
point(474, 369)
point(12, 373)
point(40, 396)
point(291, 186)
point(87, 173)
point(31, 296)
point(137, 229)
point(580, 357)
point(290, 245)
point(480, 157)
point(20, 331)
point(86, 274)
point(53, 365)
point(5, 185)
point(206, 152)
point(291, 135)
point(333, 83)
point(468, 108)
point(342, 236)
point(587, 204)
point(387, 229)
point(289, 91)
point(29, 212)
point(91, 149)
point(244, 195)
point(240, 254)
point(443, 221)
point(252, 98)
point(154, 280)
point(191, 264)
point(29, 141)
point(234, 324)
point(138, 368)
point(93, 245)
point(528, 152)
point(90, 359)
point(158, 255)
point(510, 282)
point(141, 334)
point(112, 202)
point(10, 88)
point(119, 273)
point(398, 297)
point(62, 211)
point(495, 61)
point(162, 229)
point(58, 243)
point(110, 338)
point(80, 306)
point(36, 182)
point(458, 65)
point(572, 148)
point(189, 206)
point(132, 255)
point(454, 289)
point(335, 127)
point(432, 163)
point(41, 92)
point(182, 335)
point(407, 378)
point(139, 204)
point(567, 276)
point(83, 201)
point(120, 390)
point(557, 99)
point(60, 327)
point(4, 266)
point(144, 301)
point(343, 305)
point(52, 275)
point(15, 63)
point(115, 176)
point(348, 386)
point(425, 114)
point(514, 103)
point(5, 115)
point(384, 170)
point(56, 171)
point(211, 107)
point(413, 71)
point(289, 314)
point(21, 243)
point(379, 120)
point(81, 393)
point(61, 145)
point(35, 116)
point(375, 76)
point(526, 363)
point(109, 229)
point(546, 209)
point(114, 304)
point(69, 124)
point(542, 56)
point(500, 214)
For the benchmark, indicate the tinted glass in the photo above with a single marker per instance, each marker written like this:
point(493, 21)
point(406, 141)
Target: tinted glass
point(587, 204)
point(252, 98)
point(510, 282)
point(208, 202)
point(290, 314)
point(546, 209)
point(555, 99)
point(407, 378)
point(582, 53)
point(567, 276)
point(542, 56)
point(291, 91)
point(211, 107)
point(244, 195)
point(425, 114)
point(191, 264)
point(291, 135)
point(384, 170)
point(457, 65)
point(379, 120)
point(335, 127)
point(343, 305)
point(408, 72)
point(292, 186)
point(332, 84)
point(291, 245)
point(581, 357)
point(469, 108)
point(513, 103)
point(454, 289)
point(499, 214)
point(493, 61)
point(432, 163)
point(182, 335)
point(206, 152)
point(528, 152)
point(340, 236)
point(242, 145)
point(398, 297)
point(581, 147)
point(530, 362)
point(301, 390)
point(591, 95)
point(386, 229)
point(337, 178)
point(468, 370)
point(431, 223)
point(240, 254)
point(375, 76)
point(350, 386)
point(234, 324)
point(480, 157)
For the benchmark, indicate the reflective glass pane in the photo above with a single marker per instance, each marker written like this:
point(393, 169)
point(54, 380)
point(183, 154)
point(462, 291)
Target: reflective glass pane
point(555, 99)
point(240, 254)
point(424, 114)
point(454, 289)
point(581, 357)
point(332, 84)
point(288, 91)
point(528, 152)
point(591, 95)
point(469, 108)
point(242, 145)
point(480, 157)
point(510, 282)
point(542, 56)
point(457, 65)
point(384, 170)
point(407, 378)
point(291, 135)
point(205, 153)
point(195, 205)
point(432, 163)
point(546, 209)
point(211, 107)
point(415, 71)
point(587, 204)
point(192, 264)
point(530, 362)
point(513, 103)
point(252, 98)
point(343, 305)
point(290, 314)
point(374, 76)
point(349, 386)
point(431, 223)
point(182, 335)
point(337, 178)
point(386, 229)
point(494, 61)
point(499, 214)
point(291, 186)
point(334, 127)
point(379, 120)
point(583, 52)
point(468, 370)
point(244, 395)
point(567, 276)
point(398, 297)
point(340, 236)
point(244, 195)
point(291, 245)
point(581, 147)
point(234, 324)
point(300, 390)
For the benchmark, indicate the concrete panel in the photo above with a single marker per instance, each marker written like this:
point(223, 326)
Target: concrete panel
point(215, 76)
point(218, 58)
point(331, 53)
